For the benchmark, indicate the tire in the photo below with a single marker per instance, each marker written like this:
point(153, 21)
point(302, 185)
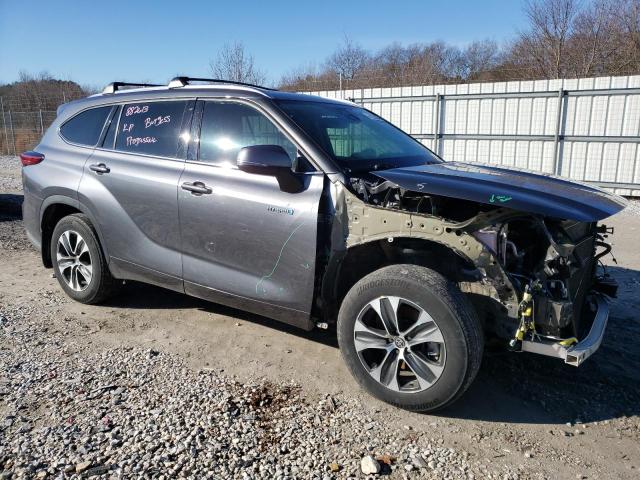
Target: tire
point(448, 340)
point(92, 282)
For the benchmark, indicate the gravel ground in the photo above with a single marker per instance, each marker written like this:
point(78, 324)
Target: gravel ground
point(10, 180)
point(12, 236)
point(134, 412)
point(160, 385)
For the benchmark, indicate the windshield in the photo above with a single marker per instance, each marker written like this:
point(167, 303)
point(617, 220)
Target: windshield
point(357, 139)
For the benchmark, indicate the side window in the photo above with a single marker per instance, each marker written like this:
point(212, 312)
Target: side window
point(150, 128)
point(86, 127)
point(228, 127)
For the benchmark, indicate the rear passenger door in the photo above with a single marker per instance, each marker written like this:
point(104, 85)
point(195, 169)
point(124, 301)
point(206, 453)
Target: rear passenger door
point(245, 242)
point(130, 184)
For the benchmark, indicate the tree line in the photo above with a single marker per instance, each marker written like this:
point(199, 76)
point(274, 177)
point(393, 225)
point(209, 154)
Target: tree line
point(562, 39)
point(39, 92)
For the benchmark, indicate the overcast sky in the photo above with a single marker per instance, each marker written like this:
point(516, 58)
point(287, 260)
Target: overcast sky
point(97, 42)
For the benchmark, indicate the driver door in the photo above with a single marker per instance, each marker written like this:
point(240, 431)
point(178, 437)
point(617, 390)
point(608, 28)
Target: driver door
point(245, 242)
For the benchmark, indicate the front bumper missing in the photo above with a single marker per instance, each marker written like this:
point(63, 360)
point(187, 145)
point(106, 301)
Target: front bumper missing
point(579, 352)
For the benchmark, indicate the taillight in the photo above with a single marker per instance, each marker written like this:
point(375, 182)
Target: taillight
point(31, 158)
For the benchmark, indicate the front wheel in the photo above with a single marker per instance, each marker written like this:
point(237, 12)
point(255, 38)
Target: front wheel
point(410, 337)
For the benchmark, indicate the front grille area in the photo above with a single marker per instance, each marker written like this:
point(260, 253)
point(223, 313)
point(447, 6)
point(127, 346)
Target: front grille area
point(582, 270)
point(567, 316)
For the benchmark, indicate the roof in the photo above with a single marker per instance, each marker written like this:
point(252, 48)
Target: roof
point(115, 93)
point(207, 84)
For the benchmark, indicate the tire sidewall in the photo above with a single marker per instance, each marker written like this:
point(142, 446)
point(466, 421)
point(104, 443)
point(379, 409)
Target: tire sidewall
point(402, 285)
point(79, 225)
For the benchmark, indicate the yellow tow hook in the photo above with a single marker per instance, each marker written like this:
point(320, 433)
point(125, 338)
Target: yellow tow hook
point(567, 342)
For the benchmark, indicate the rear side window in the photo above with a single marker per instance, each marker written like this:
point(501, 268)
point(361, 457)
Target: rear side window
point(228, 127)
point(150, 128)
point(86, 127)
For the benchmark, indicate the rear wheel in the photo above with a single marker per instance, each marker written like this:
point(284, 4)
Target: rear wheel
point(410, 337)
point(78, 261)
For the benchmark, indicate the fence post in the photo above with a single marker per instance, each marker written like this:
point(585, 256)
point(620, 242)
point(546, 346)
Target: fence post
point(560, 129)
point(13, 133)
point(436, 134)
point(4, 124)
point(41, 124)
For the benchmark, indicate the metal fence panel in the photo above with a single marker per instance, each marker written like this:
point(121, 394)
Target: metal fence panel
point(585, 129)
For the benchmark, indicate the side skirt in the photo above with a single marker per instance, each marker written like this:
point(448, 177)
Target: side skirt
point(293, 317)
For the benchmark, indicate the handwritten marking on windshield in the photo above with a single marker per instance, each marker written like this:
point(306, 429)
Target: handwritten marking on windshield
point(499, 198)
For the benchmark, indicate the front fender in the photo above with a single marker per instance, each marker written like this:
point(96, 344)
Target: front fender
point(366, 223)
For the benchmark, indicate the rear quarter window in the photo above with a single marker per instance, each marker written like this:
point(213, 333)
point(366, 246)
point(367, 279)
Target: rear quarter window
point(151, 128)
point(86, 127)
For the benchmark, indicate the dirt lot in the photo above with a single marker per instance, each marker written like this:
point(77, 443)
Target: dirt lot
point(294, 408)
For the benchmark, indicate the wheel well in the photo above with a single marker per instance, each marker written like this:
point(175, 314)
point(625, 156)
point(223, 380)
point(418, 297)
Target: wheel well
point(52, 215)
point(361, 260)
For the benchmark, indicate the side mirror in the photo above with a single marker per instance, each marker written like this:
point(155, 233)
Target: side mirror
point(264, 160)
point(271, 160)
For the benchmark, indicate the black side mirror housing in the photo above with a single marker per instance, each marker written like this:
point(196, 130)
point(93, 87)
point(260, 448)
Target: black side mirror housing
point(271, 160)
point(264, 160)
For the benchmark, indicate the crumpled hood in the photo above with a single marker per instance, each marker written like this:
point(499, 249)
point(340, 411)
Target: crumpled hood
point(516, 189)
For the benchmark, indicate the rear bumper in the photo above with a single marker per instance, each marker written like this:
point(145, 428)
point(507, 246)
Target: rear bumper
point(31, 218)
point(578, 352)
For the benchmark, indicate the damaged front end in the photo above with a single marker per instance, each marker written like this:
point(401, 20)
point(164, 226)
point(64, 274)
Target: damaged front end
point(537, 281)
point(554, 267)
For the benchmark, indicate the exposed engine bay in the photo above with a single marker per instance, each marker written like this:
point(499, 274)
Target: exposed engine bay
point(551, 265)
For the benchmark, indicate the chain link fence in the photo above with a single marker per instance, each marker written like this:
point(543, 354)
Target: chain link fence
point(28, 107)
point(20, 131)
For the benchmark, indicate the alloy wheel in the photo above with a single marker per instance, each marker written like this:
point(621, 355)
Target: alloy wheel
point(74, 260)
point(399, 344)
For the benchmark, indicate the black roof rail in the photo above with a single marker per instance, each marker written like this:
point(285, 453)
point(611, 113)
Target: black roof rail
point(113, 87)
point(178, 82)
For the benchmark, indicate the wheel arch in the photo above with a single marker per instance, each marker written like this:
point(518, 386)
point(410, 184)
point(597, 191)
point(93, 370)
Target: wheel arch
point(357, 261)
point(53, 209)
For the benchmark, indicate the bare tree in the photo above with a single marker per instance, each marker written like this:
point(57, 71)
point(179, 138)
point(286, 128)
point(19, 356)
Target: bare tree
point(307, 78)
point(40, 92)
point(564, 38)
point(551, 24)
point(628, 18)
point(348, 60)
point(236, 64)
point(479, 58)
point(595, 41)
point(412, 65)
point(390, 65)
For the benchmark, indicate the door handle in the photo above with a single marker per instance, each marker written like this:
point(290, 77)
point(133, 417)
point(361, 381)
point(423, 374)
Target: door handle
point(99, 168)
point(196, 188)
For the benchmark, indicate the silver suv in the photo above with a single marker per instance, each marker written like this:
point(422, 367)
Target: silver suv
point(318, 212)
